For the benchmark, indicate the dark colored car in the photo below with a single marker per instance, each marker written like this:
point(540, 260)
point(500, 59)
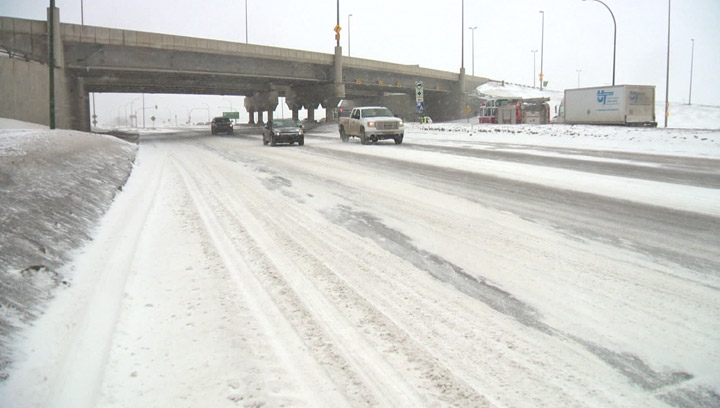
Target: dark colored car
point(221, 125)
point(283, 131)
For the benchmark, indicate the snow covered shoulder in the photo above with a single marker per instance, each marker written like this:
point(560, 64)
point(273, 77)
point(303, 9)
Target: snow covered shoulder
point(54, 186)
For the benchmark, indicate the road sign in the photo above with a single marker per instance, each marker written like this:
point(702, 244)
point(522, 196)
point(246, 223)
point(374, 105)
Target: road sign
point(420, 107)
point(337, 29)
point(231, 115)
point(419, 93)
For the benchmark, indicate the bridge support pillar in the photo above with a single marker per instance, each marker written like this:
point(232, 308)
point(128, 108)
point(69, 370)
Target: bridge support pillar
point(260, 118)
point(296, 114)
point(311, 114)
point(270, 116)
point(251, 116)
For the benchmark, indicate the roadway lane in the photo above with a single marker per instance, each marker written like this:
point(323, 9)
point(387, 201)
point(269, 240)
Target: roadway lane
point(346, 275)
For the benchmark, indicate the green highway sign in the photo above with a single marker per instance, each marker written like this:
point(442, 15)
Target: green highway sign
point(231, 115)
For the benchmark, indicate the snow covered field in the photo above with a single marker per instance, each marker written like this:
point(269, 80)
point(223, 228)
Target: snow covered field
point(500, 266)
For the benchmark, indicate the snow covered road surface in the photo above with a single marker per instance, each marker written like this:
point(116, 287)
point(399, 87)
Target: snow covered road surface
point(229, 273)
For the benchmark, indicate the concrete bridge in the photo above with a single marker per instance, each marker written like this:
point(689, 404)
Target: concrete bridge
point(98, 59)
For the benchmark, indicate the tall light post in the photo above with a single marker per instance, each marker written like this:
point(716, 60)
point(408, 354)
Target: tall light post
point(667, 73)
point(614, 36)
point(134, 118)
point(349, 15)
point(462, 38)
point(692, 56)
point(534, 54)
point(578, 71)
point(208, 111)
point(542, 46)
point(337, 21)
point(246, 23)
point(473, 48)
point(82, 13)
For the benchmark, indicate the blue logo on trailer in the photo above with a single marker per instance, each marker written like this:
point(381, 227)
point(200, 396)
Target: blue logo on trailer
point(602, 96)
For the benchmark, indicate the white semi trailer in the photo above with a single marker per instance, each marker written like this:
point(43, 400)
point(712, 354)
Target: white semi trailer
point(630, 105)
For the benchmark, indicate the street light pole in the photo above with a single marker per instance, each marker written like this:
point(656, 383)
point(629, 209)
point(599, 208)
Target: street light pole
point(534, 54)
point(692, 56)
point(246, 23)
point(473, 48)
point(542, 46)
point(578, 71)
point(614, 36)
point(82, 13)
point(667, 73)
point(462, 40)
point(349, 15)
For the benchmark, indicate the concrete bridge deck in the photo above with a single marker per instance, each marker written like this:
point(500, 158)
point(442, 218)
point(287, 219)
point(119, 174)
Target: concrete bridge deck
point(101, 59)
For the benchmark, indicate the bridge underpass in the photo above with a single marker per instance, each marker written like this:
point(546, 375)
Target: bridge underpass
point(98, 59)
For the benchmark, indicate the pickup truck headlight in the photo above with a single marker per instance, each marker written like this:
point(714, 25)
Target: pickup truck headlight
point(401, 123)
point(371, 124)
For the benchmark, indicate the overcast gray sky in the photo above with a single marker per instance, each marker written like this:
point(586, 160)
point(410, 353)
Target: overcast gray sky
point(578, 35)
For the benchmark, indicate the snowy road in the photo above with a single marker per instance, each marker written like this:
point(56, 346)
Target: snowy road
point(427, 274)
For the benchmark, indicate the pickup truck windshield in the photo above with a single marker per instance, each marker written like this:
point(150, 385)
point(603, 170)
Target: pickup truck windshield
point(374, 112)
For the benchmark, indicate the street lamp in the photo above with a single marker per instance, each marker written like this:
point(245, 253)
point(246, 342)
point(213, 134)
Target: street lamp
point(692, 56)
point(462, 40)
point(534, 54)
point(614, 36)
point(246, 23)
point(667, 73)
point(208, 111)
point(542, 45)
point(578, 71)
point(473, 48)
point(349, 15)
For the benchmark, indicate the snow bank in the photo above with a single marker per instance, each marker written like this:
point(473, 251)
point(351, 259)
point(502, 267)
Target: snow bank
point(54, 186)
point(677, 142)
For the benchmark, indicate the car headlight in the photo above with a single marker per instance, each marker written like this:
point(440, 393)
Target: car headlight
point(371, 124)
point(401, 123)
point(231, 124)
point(277, 133)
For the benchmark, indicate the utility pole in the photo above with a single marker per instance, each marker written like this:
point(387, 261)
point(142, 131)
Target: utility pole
point(534, 54)
point(51, 60)
point(578, 71)
point(542, 46)
point(462, 40)
point(473, 48)
point(692, 56)
point(667, 74)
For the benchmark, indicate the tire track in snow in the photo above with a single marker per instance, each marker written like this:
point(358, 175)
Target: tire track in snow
point(386, 384)
point(283, 342)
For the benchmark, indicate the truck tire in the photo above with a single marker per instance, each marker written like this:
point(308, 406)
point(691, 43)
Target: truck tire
point(363, 138)
point(343, 136)
point(398, 139)
point(272, 141)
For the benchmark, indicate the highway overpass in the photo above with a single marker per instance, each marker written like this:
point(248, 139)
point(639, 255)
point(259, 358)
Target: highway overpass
point(99, 59)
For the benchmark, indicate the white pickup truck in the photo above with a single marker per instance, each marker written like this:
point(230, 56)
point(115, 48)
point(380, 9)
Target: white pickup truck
point(370, 124)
